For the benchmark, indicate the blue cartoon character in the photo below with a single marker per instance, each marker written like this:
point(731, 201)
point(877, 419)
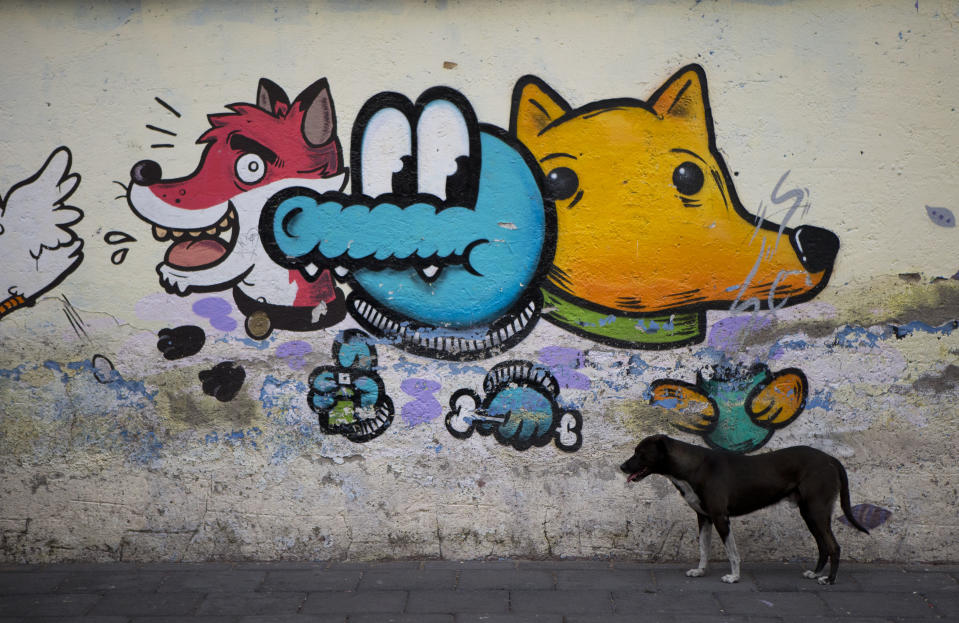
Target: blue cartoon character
point(520, 409)
point(349, 397)
point(445, 233)
point(735, 408)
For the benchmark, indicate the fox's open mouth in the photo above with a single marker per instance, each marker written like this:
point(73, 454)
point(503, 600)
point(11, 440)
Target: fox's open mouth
point(195, 249)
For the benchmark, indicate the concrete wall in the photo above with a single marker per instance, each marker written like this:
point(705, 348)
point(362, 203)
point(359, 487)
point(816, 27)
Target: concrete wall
point(455, 314)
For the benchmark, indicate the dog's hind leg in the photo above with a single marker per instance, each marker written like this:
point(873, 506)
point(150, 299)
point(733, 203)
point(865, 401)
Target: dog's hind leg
point(818, 517)
point(705, 538)
point(722, 527)
point(820, 543)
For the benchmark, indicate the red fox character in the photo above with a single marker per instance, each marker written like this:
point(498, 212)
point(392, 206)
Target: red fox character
point(212, 215)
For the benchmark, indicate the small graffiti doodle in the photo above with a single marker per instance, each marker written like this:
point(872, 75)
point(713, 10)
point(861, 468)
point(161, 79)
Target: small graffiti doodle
point(211, 217)
point(223, 381)
point(735, 408)
point(349, 397)
point(443, 236)
point(180, 342)
point(103, 369)
point(645, 244)
point(868, 515)
point(942, 217)
point(520, 409)
point(38, 247)
point(425, 406)
point(115, 238)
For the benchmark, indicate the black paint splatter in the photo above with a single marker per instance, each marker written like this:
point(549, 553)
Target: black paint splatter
point(181, 342)
point(223, 381)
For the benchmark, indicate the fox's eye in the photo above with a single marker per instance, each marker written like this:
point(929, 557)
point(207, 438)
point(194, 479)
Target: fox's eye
point(688, 178)
point(561, 183)
point(250, 168)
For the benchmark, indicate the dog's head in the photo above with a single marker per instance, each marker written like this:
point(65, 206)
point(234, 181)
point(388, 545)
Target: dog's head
point(650, 457)
point(648, 219)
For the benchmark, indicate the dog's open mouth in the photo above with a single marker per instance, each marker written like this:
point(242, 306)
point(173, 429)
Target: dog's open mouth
point(637, 476)
point(200, 248)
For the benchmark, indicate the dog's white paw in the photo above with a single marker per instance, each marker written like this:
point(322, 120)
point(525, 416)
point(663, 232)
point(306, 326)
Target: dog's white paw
point(730, 578)
point(696, 573)
point(809, 575)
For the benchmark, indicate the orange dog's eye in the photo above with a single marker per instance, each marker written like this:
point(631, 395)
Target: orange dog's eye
point(688, 178)
point(561, 183)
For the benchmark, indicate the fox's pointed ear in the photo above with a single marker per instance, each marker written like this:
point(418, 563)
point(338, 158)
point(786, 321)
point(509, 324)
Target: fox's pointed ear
point(535, 106)
point(268, 94)
point(683, 96)
point(319, 119)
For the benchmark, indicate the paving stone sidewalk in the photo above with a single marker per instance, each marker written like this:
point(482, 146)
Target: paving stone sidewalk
point(567, 591)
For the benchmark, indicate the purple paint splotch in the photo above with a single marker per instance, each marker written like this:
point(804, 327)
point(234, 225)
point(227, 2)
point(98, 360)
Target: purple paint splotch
point(425, 406)
point(726, 333)
point(217, 311)
point(562, 363)
point(294, 353)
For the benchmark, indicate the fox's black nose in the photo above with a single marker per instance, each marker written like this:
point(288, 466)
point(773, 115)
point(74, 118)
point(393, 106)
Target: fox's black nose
point(815, 246)
point(146, 173)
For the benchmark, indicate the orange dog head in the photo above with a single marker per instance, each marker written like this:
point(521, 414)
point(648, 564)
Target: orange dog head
point(648, 220)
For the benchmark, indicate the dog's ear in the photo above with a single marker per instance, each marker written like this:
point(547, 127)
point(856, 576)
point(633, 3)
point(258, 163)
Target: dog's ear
point(683, 97)
point(319, 120)
point(535, 106)
point(269, 94)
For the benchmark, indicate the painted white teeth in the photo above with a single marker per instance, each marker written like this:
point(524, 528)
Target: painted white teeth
point(311, 269)
point(176, 233)
point(430, 273)
point(159, 233)
point(225, 222)
point(212, 231)
point(341, 271)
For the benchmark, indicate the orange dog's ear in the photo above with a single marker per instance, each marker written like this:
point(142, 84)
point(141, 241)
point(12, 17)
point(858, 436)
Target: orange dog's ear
point(683, 97)
point(535, 106)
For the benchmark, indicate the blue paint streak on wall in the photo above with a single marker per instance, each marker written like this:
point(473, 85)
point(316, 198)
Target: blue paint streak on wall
point(294, 429)
point(821, 399)
point(857, 337)
point(126, 391)
point(904, 330)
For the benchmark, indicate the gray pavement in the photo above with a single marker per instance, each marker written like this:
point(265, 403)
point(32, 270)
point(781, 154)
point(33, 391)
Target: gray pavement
point(506, 591)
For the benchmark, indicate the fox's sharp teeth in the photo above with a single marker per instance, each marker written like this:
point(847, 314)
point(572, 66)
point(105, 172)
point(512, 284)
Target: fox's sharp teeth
point(211, 231)
point(159, 233)
point(225, 222)
point(196, 233)
point(176, 233)
point(311, 269)
point(341, 271)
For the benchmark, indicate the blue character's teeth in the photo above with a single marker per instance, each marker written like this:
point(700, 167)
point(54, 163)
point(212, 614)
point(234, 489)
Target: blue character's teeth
point(430, 273)
point(341, 271)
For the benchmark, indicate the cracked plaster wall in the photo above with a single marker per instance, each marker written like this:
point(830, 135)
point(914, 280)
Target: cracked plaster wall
point(138, 463)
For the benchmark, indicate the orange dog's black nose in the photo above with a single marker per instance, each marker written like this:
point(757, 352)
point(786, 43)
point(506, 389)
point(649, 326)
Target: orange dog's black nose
point(815, 246)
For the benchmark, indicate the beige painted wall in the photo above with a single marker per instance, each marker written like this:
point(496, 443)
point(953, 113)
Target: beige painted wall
point(855, 99)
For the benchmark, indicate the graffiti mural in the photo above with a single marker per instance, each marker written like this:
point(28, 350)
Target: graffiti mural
point(350, 397)
point(443, 236)
point(520, 409)
point(650, 231)
point(211, 217)
point(38, 246)
point(735, 408)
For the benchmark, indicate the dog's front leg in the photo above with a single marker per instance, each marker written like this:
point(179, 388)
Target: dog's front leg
point(722, 527)
point(705, 538)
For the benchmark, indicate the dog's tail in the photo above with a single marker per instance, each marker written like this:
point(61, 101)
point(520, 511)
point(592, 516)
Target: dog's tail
point(844, 499)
